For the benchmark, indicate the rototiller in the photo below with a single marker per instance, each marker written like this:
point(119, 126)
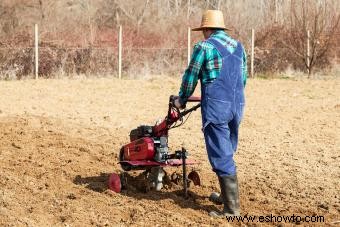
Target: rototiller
point(148, 150)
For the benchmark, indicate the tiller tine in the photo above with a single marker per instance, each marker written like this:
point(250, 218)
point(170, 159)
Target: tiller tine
point(195, 178)
point(115, 183)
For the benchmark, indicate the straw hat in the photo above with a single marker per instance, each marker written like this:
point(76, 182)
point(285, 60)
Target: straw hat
point(212, 19)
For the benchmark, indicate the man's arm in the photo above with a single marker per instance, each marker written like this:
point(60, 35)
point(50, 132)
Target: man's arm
point(190, 77)
point(244, 68)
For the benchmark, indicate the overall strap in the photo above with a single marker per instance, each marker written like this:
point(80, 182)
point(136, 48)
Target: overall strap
point(239, 51)
point(223, 49)
point(219, 46)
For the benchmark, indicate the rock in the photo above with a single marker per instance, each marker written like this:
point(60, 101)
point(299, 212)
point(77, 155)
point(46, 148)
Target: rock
point(83, 149)
point(16, 146)
point(71, 196)
point(62, 218)
point(323, 206)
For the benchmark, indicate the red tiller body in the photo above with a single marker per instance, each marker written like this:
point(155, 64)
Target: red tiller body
point(148, 150)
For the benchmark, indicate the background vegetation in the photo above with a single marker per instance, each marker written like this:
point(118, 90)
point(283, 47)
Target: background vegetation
point(80, 36)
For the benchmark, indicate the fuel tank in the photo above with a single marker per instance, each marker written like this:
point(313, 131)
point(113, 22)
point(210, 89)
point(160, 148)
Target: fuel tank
point(141, 149)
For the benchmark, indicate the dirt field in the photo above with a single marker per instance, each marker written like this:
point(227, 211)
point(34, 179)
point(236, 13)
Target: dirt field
point(59, 141)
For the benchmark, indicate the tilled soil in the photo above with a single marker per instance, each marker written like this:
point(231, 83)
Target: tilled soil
point(60, 139)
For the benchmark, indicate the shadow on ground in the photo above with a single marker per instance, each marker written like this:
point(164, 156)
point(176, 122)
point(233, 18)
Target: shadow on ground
point(95, 183)
point(194, 200)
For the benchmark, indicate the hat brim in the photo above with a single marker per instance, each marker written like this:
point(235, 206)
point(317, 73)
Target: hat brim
point(201, 28)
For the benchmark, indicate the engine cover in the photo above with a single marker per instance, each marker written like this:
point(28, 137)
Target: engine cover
point(140, 132)
point(141, 149)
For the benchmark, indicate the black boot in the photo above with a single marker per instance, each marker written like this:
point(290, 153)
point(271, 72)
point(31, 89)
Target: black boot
point(230, 197)
point(216, 198)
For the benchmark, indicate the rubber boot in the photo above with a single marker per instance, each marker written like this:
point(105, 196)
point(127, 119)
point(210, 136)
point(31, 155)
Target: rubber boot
point(230, 197)
point(216, 198)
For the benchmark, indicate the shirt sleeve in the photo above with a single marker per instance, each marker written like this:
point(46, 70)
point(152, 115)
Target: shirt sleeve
point(244, 68)
point(191, 75)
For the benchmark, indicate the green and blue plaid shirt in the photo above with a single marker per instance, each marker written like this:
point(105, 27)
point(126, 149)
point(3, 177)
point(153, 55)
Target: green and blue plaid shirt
point(206, 64)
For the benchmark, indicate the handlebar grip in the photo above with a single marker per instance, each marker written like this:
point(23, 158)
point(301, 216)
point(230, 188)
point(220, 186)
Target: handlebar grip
point(194, 99)
point(190, 99)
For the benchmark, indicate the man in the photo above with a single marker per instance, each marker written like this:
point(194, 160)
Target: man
point(219, 62)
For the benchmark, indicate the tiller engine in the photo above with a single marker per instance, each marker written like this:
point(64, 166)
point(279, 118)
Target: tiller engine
point(148, 150)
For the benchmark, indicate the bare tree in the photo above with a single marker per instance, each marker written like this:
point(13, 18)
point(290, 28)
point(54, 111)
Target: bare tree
point(312, 27)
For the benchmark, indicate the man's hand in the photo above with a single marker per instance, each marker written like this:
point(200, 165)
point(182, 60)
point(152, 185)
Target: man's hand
point(178, 104)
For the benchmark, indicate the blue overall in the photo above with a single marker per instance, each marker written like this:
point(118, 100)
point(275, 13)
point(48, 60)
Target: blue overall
point(222, 103)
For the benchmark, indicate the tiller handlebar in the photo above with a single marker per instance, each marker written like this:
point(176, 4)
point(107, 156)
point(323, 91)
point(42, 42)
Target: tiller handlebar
point(174, 115)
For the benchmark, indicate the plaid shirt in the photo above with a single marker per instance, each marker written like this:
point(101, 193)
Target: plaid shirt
point(206, 64)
